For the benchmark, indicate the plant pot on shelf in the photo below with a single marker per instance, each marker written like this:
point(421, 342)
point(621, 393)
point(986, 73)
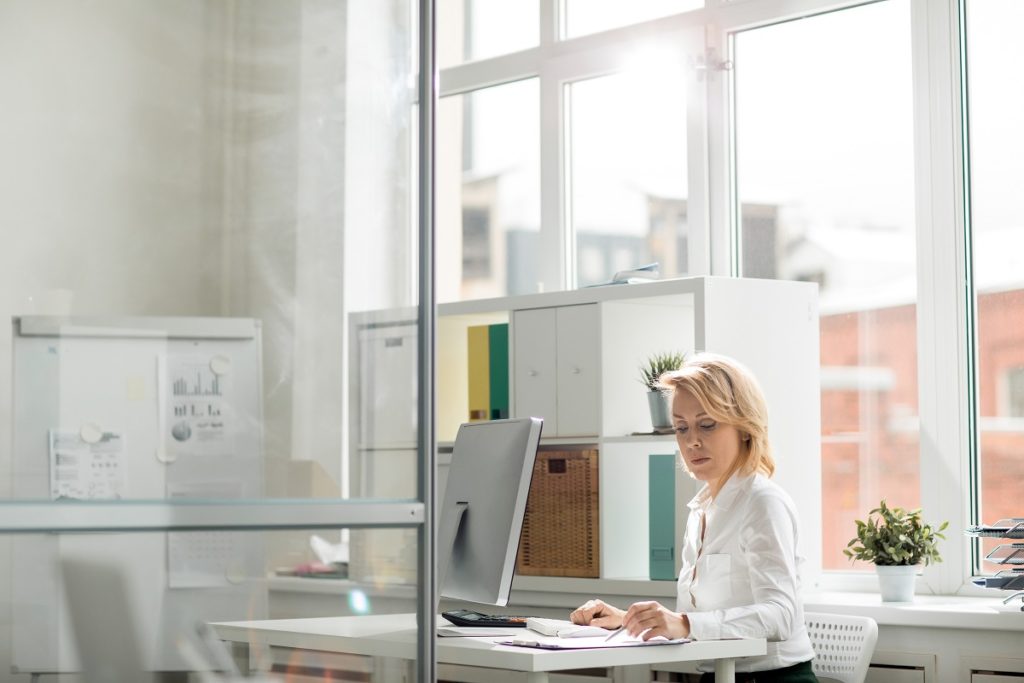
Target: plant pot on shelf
point(896, 581)
point(658, 401)
point(661, 417)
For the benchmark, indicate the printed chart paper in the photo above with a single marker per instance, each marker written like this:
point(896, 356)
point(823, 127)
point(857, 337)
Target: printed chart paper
point(86, 470)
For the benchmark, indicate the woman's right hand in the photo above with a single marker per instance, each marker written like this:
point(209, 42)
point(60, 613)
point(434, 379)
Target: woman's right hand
point(597, 613)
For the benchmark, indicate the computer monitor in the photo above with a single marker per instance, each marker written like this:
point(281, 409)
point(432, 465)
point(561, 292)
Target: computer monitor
point(484, 503)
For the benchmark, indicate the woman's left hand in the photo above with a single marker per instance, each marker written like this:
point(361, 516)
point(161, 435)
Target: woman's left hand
point(654, 619)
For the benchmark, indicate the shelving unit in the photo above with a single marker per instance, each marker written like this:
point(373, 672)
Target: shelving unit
point(1006, 554)
point(574, 360)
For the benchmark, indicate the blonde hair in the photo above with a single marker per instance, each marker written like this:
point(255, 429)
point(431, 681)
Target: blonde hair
point(729, 393)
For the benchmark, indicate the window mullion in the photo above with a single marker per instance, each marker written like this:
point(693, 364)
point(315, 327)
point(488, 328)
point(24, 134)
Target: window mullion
point(721, 211)
point(555, 252)
point(699, 82)
point(943, 321)
point(550, 21)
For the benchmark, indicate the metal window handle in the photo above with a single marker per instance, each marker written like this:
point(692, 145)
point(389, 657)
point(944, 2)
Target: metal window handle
point(576, 371)
point(532, 373)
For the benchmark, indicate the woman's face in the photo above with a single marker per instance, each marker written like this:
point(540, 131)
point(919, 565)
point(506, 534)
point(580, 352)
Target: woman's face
point(709, 448)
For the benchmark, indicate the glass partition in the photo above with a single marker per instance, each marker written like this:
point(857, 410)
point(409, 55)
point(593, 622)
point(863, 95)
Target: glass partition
point(111, 606)
point(202, 197)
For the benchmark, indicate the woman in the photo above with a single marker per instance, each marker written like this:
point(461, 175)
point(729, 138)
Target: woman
point(739, 575)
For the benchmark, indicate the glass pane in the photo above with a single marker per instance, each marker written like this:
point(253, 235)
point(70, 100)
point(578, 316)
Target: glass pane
point(468, 30)
point(826, 190)
point(141, 602)
point(997, 172)
point(591, 16)
point(206, 192)
point(203, 193)
point(629, 192)
point(488, 192)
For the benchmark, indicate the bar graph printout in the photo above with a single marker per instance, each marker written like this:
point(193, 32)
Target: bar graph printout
point(198, 419)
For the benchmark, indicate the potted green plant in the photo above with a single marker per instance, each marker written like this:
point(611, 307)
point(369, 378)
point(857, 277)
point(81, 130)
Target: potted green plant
point(897, 542)
point(650, 371)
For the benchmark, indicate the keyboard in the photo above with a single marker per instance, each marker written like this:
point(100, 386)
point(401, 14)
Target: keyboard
point(465, 617)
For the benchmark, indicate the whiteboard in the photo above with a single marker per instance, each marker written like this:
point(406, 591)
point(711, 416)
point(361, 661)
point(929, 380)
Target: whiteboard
point(136, 409)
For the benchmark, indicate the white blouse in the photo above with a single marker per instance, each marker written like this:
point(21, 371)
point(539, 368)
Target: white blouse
point(742, 578)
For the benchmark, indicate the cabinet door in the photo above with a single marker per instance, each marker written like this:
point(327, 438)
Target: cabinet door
point(578, 360)
point(533, 352)
point(387, 386)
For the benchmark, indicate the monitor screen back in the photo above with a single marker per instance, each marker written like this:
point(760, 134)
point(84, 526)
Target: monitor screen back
point(491, 469)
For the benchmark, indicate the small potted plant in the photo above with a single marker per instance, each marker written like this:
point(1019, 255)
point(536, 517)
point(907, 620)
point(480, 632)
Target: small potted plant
point(650, 371)
point(897, 542)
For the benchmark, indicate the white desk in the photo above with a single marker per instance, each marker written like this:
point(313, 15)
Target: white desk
point(394, 636)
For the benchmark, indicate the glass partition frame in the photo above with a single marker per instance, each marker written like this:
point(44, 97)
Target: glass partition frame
point(21, 517)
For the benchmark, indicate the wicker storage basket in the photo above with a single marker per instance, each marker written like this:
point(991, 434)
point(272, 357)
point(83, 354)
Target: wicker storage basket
point(560, 530)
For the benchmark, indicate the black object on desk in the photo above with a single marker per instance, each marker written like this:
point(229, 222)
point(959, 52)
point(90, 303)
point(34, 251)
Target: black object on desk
point(465, 617)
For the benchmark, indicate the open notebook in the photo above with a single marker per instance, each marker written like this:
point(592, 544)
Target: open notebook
point(583, 643)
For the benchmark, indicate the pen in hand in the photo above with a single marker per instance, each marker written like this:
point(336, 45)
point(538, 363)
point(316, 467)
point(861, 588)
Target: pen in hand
point(614, 633)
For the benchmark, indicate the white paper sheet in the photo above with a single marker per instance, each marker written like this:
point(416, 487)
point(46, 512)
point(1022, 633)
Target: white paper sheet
point(82, 470)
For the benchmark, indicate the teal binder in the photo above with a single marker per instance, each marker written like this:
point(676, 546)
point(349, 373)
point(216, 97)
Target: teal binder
point(661, 472)
point(498, 350)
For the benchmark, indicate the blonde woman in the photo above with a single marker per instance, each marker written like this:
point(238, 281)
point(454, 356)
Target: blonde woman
point(739, 575)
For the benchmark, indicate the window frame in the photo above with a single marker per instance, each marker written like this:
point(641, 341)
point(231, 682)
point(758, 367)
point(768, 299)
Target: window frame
point(557, 63)
point(944, 307)
point(945, 303)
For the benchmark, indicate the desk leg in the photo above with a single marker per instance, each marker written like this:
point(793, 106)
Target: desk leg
point(239, 652)
point(640, 673)
point(725, 671)
point(393, 670)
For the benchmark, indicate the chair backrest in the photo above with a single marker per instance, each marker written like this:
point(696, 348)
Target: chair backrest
point(103, 621)
point(842, 645)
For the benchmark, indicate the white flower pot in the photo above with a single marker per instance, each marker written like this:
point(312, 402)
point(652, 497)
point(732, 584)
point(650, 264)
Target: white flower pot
point(896, 582)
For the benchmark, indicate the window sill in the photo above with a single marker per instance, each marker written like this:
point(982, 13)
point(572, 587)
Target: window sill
point(929, 611)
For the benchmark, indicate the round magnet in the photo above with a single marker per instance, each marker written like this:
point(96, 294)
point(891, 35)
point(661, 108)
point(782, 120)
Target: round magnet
point(221, 365)
point(90, 432)
point(163, 456)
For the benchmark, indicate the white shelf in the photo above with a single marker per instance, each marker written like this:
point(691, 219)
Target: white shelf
point(639, 438)
point(685, 286)
point(578, 369)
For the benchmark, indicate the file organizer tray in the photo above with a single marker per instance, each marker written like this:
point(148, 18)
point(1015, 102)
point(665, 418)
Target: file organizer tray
point(1008, 553)
point(1007, 580)
point(1004, 528)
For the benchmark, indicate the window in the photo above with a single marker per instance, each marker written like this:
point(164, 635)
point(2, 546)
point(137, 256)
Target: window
point(476, 242)
point(628, 192)
point(488, 192)
point(590, 16)
point(794, 158)
point(997, 234)
point(469, 30)
point(815, 114)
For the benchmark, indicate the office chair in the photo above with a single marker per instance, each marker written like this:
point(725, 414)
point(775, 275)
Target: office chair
point(842, 645)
